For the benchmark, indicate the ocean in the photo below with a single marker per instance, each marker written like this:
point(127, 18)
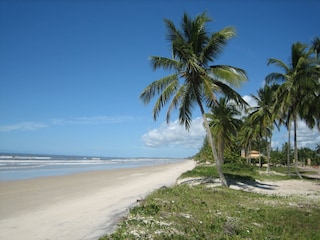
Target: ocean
point(27, 166)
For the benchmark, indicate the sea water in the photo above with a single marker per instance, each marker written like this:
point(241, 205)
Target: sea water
point(26, 166)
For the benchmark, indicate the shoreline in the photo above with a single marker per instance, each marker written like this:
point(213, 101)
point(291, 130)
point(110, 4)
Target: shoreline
point(83, 205)
point(23, 168)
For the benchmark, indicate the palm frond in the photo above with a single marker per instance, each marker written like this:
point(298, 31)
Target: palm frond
point(316, 47)
point(278, 63)
point(165, 63)
point(209, 89)
point(275, 77)
point(172, 31)
point(298, 52)
point(229, 74)
point(185, 109)
point(197, 34)
point(156, 87)
point(216, 44)
point(164, 97)
point(175, 101)
point(230, 94)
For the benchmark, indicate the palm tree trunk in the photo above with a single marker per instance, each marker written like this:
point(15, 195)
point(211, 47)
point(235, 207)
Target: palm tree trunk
point(221, 150)
point(288, 150)
point(250, 148)
point(295, 147)
point(213, 147)
point(268, 154)
point(260, 164)
point(214, 152)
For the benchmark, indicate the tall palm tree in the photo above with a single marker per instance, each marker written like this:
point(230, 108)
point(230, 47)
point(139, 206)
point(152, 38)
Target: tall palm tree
point(264, 115)
point(299, 83)
point(194, 80)
point(224, 123)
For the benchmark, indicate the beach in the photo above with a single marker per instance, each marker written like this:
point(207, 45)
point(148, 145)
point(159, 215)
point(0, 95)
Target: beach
point(78, 206)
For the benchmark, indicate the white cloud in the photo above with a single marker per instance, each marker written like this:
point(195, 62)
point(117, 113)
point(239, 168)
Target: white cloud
point(251, 103)
point(306, 137)
point(92, 120)
point(175, 135)
point(24, 126)
point(250, 100)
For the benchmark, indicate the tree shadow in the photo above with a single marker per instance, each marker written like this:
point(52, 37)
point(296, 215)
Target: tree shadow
point(310, 175)
point(315, 178)
point(247, 182)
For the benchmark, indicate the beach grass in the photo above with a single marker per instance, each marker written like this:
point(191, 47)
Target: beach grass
point(202, 212)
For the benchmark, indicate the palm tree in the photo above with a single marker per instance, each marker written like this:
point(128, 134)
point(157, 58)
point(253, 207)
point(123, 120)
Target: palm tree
point(299, 84)
point(224, 124)
point(194, 81)
point(264, 115)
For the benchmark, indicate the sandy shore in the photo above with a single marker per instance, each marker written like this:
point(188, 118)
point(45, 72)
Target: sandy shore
point(79, 206)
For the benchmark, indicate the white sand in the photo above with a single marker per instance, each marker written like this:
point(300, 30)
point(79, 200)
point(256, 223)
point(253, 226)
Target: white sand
point(299, 187)
point(80, 206)
point(304, 188)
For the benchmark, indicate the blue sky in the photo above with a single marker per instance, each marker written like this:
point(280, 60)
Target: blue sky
point(71, 72)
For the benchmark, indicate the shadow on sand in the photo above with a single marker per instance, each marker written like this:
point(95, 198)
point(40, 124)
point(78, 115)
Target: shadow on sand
point(247, 182)
point(234, 181)
point(247, 185)
point(240, 182)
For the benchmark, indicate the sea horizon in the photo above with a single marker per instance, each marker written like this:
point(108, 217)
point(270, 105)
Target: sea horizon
point(20, 166)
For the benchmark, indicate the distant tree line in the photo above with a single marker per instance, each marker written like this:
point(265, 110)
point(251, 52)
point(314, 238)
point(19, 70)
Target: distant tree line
point(278, 156)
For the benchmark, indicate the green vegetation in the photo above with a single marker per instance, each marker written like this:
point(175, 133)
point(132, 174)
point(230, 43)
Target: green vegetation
point(202, 212)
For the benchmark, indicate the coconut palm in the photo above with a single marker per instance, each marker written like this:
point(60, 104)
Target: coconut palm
point(193, 79)
point(298, 89)
point(264, 115)
point(224, 123)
